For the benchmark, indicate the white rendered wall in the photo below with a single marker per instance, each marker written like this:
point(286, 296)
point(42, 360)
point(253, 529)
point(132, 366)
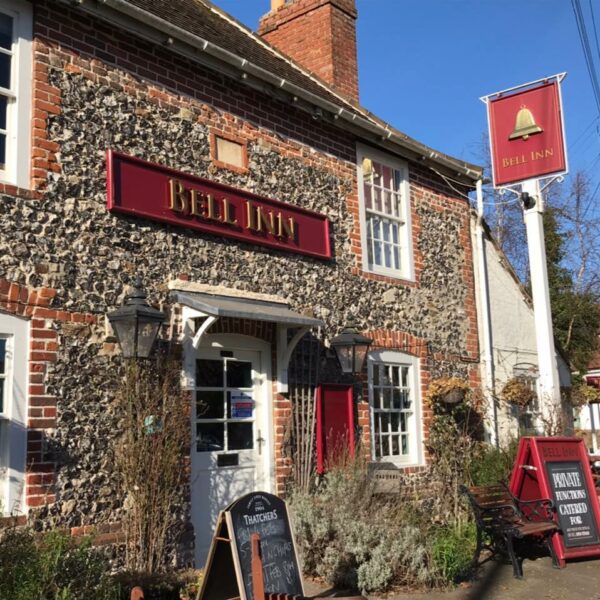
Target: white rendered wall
point(513, 332)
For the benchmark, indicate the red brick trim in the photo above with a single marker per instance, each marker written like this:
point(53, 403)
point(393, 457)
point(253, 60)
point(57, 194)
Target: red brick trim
point(35, 304)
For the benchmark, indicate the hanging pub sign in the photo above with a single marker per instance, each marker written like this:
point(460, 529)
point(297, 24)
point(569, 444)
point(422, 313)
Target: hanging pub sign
point(143, 189)
point(558, 468)
point(527, 138)
point(252, 533)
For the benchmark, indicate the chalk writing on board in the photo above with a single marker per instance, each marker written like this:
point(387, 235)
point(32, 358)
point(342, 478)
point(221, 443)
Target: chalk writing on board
point(266, 515)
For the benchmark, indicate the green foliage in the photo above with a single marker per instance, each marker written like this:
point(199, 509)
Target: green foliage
point(52, 568)
point(491, 465)
point(454, 549)
point(575, 314)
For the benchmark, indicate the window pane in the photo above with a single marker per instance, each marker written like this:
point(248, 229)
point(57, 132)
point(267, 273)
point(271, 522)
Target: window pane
point(387, 398)
point(209, 373)
point(387, 203)
point(239, 436)
point(239, 374)
point(3, 111)
point(395, 421)
point(5, 61)
point(2, 150)
point(397, 180)
point(210, 437)
point(404, 444)
point(368, 202)
point(387, 249)
point(395, 445)
point(1, 398)
point(2, 355)
point(386, 177)
point(377, 199)
point(209, 405)
point(377, 253)
point(6, 28)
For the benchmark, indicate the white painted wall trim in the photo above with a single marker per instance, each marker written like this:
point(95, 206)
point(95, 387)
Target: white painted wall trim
point(14, 420)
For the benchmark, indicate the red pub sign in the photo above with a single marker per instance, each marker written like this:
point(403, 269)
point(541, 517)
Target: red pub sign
point(526, 134)
point(144, 189)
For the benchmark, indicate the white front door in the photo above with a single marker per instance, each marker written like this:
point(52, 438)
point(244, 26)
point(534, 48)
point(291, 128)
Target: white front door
point(230, 432)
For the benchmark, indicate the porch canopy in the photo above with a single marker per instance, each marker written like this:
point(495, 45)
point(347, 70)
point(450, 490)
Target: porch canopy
point(244, 308)
point(203, 305)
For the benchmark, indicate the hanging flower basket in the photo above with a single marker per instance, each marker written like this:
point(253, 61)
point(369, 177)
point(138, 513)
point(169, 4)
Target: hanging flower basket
point(516, 391)
point(448, 390)
point(583, 394)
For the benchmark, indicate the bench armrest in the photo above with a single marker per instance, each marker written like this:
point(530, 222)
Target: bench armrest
point(536, 510)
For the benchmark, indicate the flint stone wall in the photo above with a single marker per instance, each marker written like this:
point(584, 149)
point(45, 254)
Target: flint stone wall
point(68, 240)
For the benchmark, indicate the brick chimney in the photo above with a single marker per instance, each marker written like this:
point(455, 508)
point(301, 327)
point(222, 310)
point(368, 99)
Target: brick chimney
point(320, 35)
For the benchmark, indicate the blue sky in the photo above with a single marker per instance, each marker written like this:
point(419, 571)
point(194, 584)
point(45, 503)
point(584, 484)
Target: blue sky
point(423, 64)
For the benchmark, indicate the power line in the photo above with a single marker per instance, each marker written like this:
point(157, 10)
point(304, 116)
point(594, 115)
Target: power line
point(587, 52)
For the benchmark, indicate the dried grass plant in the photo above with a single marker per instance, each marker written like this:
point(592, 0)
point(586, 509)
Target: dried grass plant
point(151, 459)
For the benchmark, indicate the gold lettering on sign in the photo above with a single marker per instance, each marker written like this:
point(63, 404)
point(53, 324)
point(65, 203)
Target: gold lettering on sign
point(266, 221)
point(178, 200)
point(513, 161)
point(541, 154)
point(227, 220)
point(192, 202)
point(259, 220)
point(211, 209)
point(250, 217)
point(286, 227)
point(196, 203)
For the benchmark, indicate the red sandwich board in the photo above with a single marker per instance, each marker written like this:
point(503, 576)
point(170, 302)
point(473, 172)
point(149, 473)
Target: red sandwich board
point(558, 468)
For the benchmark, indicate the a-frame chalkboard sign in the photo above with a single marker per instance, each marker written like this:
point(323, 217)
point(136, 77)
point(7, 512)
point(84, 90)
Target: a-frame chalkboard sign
point(558, 468)
point(228, 572)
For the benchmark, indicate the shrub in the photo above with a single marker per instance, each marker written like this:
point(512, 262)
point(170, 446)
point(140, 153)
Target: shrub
point(356, 539)
point(52, 568)
point(453, 550)
point(491, 465)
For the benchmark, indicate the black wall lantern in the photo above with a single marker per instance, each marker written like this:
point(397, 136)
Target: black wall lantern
point(351, 348)
point(136, 323)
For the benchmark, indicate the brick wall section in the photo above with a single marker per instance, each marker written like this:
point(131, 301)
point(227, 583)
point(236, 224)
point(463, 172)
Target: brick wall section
point(35, 305)
point(321, 36)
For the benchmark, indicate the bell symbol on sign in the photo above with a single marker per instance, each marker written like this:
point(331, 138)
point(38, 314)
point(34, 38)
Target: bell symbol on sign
point(525, 125)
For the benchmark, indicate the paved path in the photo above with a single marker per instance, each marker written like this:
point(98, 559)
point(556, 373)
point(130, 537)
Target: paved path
point(579, 581)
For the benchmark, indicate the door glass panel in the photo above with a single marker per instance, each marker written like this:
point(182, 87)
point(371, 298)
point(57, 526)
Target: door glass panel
point(209, 373)
point(210, 437)
point(209, 405)
point(239, 436)
point(6, 27)
point(239, 374)
point(5, 61)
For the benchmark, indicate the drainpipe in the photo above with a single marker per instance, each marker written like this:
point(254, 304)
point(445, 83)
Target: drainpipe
point(486, 318)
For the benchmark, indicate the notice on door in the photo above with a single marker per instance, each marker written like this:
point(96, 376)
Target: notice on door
point(242, 404)
point(573, 504)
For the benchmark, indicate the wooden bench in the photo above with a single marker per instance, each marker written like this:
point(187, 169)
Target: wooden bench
point(501, 519)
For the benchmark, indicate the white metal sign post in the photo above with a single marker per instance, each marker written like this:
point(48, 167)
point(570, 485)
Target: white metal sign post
point(527, 143)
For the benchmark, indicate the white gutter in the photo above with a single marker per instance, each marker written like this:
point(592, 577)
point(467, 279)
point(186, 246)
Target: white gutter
point(486, 318)
point(159, 31)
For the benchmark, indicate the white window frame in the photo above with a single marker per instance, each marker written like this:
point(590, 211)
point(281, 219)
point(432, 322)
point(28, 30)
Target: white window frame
point(13, 421)
point(18, 119)
point(406, 270)
point(415, 456)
